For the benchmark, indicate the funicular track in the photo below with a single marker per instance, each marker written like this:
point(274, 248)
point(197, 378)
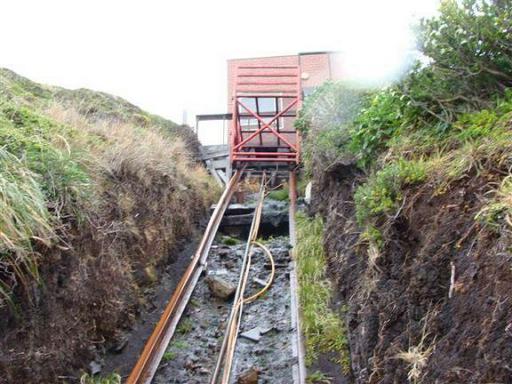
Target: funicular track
point(156, 345)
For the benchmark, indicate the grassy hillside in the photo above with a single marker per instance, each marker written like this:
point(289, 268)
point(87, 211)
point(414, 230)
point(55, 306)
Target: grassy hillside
point(414, 184)
point(95, 195)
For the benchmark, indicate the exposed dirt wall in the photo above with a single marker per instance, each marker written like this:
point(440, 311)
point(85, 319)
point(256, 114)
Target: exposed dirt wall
point(97, 196)
point(403, 326)
point(91, 290)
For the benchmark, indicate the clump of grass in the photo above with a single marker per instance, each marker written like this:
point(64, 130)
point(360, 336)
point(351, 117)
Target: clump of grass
point(279, 194)
point(142, 152)
point(179, 344)
point(499, 209)
point(382, 192)
point(228, 240)
point(44, 147)
point(318, 378)
point(113, 378)
point(185, 326)
point(417, 355)
point(169, 356)
point(172, 352)
point(41, 179)
point(24, 218)
point(323, 328)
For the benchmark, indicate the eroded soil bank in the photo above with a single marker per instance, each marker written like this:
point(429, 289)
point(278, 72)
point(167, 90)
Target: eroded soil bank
point(192, 354)
point(435, 298)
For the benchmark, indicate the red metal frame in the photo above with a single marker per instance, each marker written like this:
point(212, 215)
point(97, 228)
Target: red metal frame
point(269, 142)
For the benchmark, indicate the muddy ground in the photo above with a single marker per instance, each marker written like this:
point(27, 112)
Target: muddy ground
point(122, 355)
point(192, 354)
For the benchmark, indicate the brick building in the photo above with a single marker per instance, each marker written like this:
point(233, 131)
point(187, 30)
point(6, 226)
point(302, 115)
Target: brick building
point(316, 68)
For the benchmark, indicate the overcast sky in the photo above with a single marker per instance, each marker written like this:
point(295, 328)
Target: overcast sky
point(168, 56)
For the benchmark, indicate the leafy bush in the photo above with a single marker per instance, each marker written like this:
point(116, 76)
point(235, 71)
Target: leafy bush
point(382, 192)
point(469, 65)
point(469, 45)
point(376, 124)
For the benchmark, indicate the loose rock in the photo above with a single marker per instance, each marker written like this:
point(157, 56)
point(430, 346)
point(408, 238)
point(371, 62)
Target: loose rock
point(249, 377)
point(220, 287)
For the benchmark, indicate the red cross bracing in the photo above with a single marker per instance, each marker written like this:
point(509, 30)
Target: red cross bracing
point(265, 104)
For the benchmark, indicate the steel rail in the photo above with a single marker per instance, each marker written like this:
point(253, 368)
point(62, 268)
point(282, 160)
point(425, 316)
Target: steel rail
point(155, 347)
point(228, 343)
point(299, 367)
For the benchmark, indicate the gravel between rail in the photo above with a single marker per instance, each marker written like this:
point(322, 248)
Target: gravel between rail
point(192, 354)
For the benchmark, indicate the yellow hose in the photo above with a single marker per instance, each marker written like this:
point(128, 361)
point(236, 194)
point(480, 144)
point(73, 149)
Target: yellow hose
point(271, 278)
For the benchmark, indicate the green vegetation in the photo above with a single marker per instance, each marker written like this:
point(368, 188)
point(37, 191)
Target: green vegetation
point(185, 326)
point(445, 124)
point(323, 328)
point(113, 378)
point(279, 194)
point(382, 193)
point(42, 145)
point(228, 240)
point(372, 236)
point(174, 348)
point(318, 378)
point(59, 159)
point(442, 121)
point(39, 171)
point(499, 209)
point(169, 356)
point(94, 193)
point(324, 121)
point(179, 344)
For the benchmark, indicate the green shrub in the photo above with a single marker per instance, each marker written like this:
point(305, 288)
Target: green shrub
point(469, 45)
point(470, 63)
point(382, 192)
point(376, 124)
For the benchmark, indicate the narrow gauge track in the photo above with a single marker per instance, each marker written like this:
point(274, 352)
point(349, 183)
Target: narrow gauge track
point(225, 359)
point(152, 354)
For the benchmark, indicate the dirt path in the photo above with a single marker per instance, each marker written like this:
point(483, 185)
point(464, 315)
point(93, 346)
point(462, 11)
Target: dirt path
point(192, 354)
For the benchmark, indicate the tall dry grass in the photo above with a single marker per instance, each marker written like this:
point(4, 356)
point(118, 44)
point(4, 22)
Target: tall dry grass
point(24, 218)
point(57, 166)
point(118, 147)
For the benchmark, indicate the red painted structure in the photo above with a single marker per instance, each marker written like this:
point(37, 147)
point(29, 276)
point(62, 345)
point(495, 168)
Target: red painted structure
point(265, 101)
